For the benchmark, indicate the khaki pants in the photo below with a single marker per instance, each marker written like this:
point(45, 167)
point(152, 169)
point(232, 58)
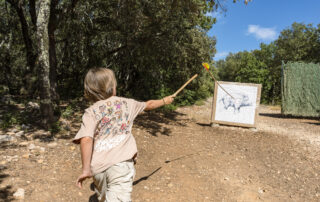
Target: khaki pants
point(115, 183)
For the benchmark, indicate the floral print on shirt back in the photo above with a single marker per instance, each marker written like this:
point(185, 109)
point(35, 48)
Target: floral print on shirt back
point(114, 125)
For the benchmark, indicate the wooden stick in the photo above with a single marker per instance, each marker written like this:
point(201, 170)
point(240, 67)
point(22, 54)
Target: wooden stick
point(184, 85)
point(211, 119)
point(219, 84)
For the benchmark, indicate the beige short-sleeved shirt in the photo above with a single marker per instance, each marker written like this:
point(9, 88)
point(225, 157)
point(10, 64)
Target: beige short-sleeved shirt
point(109, 123)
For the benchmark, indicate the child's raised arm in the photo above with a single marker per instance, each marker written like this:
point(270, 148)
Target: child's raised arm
point(153, 104)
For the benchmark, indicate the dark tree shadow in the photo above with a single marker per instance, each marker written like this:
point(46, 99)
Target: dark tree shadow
point(22, 114)
point(8, 145)
point(316, 124)
point(282, 116)
point(6, 193)
point(156, 122)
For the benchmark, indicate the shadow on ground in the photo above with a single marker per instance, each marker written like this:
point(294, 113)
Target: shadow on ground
point(6, 194)
point(204, 124)
point(316, 124)
point(166, 162)
point(8, 145)
point(93, 197)
point(282, 116)
point(155, 123)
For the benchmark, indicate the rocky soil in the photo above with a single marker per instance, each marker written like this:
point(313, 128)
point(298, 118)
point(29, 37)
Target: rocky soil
point(181, 158)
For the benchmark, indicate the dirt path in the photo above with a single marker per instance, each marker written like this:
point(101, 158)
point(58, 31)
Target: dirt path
point(181, 158)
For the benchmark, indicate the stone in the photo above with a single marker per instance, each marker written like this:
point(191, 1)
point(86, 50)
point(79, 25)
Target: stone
point(33, 105)
point(10, 133)
point(19, 134)
point(261, 191)
point(23, 143)
point(31, 147)
point(170, 185)
point(23, 126)
point(19, 194)
point(6, 138)
point(254, 129)
point(42, 149)
point(214, 125)
point(52, 145)
point(26, 156)
point(40, 161)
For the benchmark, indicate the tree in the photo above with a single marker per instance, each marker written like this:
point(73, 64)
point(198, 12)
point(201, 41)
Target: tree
point(229, 68)
point(46, 105)
point(298, 43)
point(272, 86)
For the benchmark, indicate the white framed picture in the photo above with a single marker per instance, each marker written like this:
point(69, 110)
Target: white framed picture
point(241, 108)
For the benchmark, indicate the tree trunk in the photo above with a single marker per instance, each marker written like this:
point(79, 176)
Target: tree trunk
point(52, 53)
point(31, 53)
point(46, 105)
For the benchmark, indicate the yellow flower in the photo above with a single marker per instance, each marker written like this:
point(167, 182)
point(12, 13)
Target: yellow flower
point(206, 65)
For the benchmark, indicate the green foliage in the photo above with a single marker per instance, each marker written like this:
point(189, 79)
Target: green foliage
point(4, 90)
point(168, 108)
point(68, 112)
point(11, 118)
point(199, 102)
point(55, 127)
point(150, 45)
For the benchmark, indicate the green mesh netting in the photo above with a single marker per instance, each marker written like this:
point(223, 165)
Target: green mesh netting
point(301, 89)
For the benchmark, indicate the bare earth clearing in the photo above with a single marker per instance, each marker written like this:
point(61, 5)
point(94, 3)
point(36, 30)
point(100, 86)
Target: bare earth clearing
point(181, 158)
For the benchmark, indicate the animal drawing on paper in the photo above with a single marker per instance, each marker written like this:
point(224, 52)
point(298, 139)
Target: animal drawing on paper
point(240, 101)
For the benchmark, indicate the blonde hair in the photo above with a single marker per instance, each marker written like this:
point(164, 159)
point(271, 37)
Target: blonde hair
point(99, 84)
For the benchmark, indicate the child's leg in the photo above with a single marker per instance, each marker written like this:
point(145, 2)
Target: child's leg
point(100, 185)
point(115, 184)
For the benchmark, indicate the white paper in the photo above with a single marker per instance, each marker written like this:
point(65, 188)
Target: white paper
point(238, 110)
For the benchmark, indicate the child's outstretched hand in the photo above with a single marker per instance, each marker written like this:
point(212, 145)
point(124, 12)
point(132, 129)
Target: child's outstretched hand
point(169, 99)
point(83, 177)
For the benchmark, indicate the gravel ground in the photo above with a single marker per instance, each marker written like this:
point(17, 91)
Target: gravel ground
point(181, 158)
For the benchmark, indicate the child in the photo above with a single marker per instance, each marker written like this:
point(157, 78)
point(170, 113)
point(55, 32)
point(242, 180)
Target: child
point(107, 146)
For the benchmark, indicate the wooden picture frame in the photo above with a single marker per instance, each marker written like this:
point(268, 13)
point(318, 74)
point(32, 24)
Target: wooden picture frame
point(240, 110)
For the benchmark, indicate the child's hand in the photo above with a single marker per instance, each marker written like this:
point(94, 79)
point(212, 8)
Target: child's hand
point(169, 99)
point(83, 177)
